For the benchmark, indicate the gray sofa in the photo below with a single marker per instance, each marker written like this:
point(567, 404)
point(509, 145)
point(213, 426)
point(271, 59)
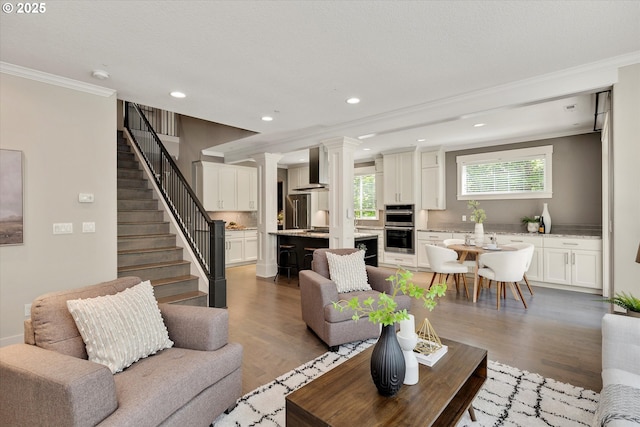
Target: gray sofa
point(49, 381)
point(619, 404)
point(318, 292)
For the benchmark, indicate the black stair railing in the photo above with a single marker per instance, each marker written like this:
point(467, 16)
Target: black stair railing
point(205, 236)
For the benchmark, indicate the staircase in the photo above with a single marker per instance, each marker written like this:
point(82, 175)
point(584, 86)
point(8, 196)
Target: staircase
point(146, 247)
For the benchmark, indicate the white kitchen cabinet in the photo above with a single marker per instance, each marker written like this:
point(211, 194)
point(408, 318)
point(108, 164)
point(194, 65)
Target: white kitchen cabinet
point(218, 187)
point(247, 188)
point(226, 187)
point(241, 247)
point(575, 262)
point(400, 178)
point(535, 271)
point(297, 177)
point(431, 238)
point(234, 247)
point(323, 200)
point(432, 181)
point(250, 246)
point(400, 260)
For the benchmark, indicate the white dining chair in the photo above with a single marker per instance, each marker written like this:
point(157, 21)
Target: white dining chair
point(529, 248)
point(445, 261)
point(504, 268)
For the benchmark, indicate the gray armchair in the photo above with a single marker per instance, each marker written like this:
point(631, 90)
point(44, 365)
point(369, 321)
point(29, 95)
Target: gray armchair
point(318, 292)
point(49, 381)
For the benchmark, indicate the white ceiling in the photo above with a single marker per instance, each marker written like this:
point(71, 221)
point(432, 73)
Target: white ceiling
point(423, 69)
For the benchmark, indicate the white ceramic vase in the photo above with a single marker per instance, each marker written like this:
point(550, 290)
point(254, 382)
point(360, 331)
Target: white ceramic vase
point(479, 234)
point(532, 227)
point(407, 344)
point(546, 218)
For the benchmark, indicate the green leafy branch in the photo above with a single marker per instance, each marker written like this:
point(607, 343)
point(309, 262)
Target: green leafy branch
point(384, 311)
point(477, 213)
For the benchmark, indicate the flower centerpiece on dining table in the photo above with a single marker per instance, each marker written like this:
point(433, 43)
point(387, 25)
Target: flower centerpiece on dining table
point(478, 216)
point(387, 359)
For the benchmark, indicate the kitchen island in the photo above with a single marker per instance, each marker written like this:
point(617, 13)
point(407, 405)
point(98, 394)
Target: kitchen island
point(313, 239)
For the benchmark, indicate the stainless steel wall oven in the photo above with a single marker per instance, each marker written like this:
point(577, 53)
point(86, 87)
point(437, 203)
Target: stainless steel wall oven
point(399, 229)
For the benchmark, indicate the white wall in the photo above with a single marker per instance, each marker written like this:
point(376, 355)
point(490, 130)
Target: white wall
point(68, 140)
point(626, 177)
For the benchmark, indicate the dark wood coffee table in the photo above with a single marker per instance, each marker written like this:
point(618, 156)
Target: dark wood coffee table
point(346, 396)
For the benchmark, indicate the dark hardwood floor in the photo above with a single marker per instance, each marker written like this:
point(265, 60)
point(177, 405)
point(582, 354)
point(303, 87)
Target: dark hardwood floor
point(559, 336)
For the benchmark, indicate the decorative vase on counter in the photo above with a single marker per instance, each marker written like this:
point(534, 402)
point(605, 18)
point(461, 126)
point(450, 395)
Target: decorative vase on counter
point(532, 227)
point(387, 363)
point(479, 234)
point(547, 219)
point(407, 338)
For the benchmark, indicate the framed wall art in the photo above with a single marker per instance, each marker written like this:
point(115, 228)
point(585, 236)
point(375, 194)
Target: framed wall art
point(11, 198)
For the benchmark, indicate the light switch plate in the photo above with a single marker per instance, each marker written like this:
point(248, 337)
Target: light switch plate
point(88, 227)
point(85, 198)
point(63, 228)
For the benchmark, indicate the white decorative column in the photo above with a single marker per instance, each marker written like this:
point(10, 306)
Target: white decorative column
point(266, 265)
point(341, 215)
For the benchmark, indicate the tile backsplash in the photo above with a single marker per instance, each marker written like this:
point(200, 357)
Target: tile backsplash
point(248, 219)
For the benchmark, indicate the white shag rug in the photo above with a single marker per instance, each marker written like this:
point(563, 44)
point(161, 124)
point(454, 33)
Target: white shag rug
point(509, 397)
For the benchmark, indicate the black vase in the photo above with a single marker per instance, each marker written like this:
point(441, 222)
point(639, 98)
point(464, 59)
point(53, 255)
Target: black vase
point(387, 363)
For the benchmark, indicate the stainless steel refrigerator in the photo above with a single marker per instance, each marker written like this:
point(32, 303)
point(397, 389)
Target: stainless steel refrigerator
point(298, 211)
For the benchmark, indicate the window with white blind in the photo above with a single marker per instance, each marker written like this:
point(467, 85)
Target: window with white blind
point(510, 174)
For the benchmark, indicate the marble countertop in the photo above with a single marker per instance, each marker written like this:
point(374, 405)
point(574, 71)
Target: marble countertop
point(316, 235)
point(572, 235)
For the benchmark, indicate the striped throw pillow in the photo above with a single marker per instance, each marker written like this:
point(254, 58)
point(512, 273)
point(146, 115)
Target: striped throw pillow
point(120, 329)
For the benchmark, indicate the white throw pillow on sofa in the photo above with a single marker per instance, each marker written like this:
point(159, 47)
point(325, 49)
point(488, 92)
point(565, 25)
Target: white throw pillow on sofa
point(348, 272)
point(120, 329)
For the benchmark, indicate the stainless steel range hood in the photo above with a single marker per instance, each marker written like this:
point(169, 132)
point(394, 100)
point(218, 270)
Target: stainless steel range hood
point(318, 170)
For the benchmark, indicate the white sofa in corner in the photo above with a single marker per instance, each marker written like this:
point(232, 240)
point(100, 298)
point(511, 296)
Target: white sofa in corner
point(620, 365)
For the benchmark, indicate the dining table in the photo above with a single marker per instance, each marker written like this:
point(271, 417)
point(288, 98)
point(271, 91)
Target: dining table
point(464, 250)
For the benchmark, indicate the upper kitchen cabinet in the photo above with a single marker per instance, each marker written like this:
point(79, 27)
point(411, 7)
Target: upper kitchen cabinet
point(227, 188)
point(247, 181)
point(433, 180)
point(400, 178)
point(298, 177)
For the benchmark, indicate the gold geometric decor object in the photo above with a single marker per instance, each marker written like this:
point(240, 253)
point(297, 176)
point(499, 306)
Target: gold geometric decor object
point(428, 341)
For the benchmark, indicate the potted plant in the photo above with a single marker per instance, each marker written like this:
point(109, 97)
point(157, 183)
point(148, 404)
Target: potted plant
point(387, 359)
point(628, 302)
point(532, 223)
point(478, 216)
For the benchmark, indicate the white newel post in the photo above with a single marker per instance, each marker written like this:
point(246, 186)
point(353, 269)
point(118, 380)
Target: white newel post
point(266, 265)
point(341, 215)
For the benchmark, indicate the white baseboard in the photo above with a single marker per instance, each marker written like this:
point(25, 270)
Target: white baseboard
point(15, 339)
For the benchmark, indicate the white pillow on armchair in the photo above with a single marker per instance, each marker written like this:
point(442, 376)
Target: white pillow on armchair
point(348, 272)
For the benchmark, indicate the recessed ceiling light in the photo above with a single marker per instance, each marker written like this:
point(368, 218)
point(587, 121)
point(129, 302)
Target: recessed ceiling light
point(267, 118)
point(366, 149)
point(369, 135)
point(177, 94)
point(353, 100)
point(421, 140)
point(100, 74)
point(478, 125)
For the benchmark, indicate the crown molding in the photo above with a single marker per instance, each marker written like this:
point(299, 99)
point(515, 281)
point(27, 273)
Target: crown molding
point(40, 76)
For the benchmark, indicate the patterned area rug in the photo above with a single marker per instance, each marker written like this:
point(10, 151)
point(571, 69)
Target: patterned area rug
point(510, 397)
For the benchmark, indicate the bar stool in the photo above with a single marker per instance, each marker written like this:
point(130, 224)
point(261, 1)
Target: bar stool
point(308, 257)
point(288, 252)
